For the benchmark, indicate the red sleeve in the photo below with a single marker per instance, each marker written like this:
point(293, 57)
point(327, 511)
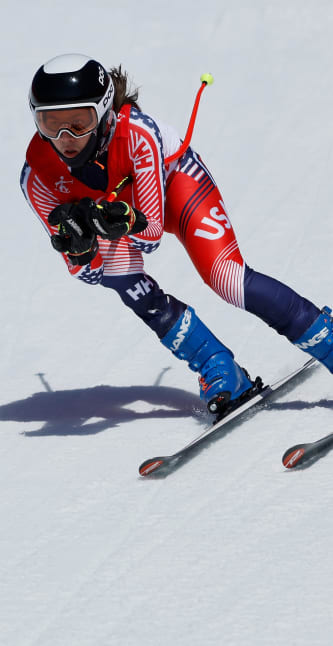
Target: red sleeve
point(146, 154)
point(42, 201)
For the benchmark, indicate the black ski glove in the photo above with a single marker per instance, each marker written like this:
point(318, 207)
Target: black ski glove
point(112, 220)
point(75, 238)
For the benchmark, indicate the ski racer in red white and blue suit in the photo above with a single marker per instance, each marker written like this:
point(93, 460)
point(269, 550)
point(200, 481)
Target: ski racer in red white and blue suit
point(67, 187)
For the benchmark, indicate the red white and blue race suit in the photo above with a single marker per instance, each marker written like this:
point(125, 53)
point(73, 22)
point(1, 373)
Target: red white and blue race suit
point(182, 199)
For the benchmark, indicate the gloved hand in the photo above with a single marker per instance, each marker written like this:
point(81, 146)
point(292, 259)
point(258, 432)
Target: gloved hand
point(112, 220)
point(75, 237)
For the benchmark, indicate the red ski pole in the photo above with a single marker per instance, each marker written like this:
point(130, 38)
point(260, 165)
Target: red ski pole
point(206, 79)
point(117, 190)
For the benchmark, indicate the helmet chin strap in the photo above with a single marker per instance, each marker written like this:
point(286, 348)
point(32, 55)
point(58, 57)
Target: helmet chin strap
point(88, 153)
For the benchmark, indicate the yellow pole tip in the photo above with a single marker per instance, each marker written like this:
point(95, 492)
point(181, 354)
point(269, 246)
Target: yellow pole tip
point(207, 78)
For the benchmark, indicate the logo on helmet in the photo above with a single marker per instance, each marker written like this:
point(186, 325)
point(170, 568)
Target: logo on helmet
point(101, 75)
point(107, 98)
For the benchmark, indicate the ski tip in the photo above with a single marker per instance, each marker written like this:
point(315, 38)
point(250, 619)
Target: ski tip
point(149, 466)
point(293, 456)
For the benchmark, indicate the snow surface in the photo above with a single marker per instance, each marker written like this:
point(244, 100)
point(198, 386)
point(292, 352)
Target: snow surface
point(231, 549)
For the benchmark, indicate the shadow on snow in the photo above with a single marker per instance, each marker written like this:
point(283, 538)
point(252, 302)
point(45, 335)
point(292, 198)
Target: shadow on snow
point(66, 412)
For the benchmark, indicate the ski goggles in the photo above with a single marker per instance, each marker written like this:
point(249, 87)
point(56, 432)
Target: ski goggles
point(78, 121)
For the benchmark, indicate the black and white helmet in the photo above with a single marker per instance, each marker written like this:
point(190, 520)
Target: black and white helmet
point(60, 87)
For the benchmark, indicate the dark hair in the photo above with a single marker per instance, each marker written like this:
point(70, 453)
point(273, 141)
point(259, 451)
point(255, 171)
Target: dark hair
point(123, 93)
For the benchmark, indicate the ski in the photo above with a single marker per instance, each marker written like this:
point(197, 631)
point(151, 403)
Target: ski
point(301, 453)
point(152, 465)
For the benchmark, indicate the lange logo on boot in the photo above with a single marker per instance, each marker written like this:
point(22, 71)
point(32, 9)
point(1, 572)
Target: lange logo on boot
point(317, 338)
point(184, 326)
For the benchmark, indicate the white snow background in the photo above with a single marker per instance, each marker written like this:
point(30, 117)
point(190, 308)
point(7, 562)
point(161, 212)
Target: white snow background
point(231, 549)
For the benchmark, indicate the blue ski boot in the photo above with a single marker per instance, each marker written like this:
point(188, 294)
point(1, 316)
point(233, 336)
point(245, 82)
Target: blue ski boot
point(222, 380)
point(317, 340)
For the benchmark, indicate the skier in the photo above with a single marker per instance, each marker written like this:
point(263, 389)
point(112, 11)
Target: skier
point(91, 134)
